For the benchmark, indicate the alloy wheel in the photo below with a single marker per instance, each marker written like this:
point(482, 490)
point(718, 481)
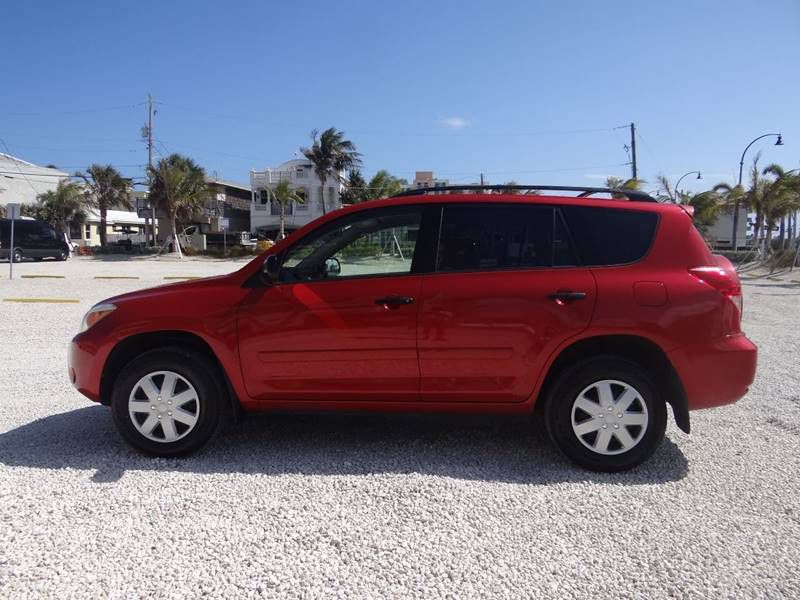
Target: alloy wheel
point(164, 406)
point(609, 417)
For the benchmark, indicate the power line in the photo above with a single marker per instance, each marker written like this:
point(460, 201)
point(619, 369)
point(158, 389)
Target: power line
point(8, 151)
point(409, 133)
point(75, 112)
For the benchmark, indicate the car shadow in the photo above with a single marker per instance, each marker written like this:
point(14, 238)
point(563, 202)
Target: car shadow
point(471, 448)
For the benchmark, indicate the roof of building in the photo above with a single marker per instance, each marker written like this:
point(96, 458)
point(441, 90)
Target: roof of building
point(116, 217)
point(231, 184)
point(22, 181)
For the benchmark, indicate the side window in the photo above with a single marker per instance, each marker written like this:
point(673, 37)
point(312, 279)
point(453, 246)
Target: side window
point(481, 237)
point(608, 236)
point(375, 242)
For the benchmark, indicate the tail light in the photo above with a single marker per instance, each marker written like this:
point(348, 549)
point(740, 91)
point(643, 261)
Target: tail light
point(725, 281)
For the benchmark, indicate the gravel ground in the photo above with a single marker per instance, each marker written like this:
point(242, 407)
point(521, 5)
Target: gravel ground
point(300, 506)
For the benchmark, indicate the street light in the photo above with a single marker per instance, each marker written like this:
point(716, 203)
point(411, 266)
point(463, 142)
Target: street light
point(699, 176)
point(741, 167)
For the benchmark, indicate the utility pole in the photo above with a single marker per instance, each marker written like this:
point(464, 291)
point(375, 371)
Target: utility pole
point(634, 171)
point(150, 215)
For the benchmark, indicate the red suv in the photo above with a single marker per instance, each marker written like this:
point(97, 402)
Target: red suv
point(595, 312)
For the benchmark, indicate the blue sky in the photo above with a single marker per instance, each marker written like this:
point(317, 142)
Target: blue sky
point(529, 91)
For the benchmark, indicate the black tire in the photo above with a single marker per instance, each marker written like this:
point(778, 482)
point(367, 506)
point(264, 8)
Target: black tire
point(18, 255)
point(197, 370)
point(572, 382)
point(62, 255)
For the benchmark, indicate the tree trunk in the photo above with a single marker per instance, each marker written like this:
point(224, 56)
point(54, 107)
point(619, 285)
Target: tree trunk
point(103, 233)
point(322, 180)
point(768, 237)
point(175, 239)
point(282, 233)
point(757, 228)
point(782, 235)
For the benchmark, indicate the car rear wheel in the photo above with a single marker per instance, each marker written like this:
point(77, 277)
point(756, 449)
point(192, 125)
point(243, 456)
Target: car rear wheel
point(62, 255)
point(605, 414)
point(18, 255)
point(168, 402)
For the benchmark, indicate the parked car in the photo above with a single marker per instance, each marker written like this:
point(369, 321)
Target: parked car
point(32, 239)
point(590, 313)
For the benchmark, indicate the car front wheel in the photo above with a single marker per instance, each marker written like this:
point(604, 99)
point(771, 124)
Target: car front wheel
point(605, 414)
point(168, 402)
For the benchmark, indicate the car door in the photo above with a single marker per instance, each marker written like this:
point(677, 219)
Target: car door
point(341, 321)
point(506, 291)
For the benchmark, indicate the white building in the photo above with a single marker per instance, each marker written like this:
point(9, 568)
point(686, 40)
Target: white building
point(120, 225)
point(265, 215)
point(21, 182)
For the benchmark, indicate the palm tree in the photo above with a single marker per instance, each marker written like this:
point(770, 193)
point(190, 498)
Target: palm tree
point(706, 205)
point(105, 190)
point(60, 207)
point(618, 183)
point(355, 188)
point(331, 154)
point(780, 197)
point(178, 189)
point(284, 195)
point(384, 185)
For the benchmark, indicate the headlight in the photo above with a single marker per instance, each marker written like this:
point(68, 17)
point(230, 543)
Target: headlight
point(96, 313)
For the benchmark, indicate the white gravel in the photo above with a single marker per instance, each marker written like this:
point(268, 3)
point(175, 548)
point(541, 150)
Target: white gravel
point(301, 506)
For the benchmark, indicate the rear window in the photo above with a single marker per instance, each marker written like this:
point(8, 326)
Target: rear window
point(606, 236)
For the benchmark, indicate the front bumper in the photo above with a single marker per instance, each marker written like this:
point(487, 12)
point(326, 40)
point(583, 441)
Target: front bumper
point(716, 373)
point(85, 361)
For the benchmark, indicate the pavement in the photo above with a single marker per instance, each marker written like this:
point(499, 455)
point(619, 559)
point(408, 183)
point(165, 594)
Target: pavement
point(382, 506)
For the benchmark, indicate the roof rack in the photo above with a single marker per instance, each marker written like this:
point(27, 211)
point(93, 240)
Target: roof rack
point(635, 195)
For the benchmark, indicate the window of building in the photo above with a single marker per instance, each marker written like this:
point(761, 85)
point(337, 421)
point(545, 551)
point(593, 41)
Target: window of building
point(88, 231)
point(301, 193)
point(300, 173)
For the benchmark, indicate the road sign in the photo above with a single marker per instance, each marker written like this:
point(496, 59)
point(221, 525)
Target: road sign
point(12, 212)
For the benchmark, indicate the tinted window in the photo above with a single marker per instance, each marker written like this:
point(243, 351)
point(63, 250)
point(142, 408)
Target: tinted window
point(607, 236)
point(478, 237)
point(376, 242)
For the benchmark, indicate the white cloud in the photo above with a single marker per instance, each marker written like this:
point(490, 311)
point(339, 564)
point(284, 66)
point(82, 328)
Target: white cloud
point(454, 122)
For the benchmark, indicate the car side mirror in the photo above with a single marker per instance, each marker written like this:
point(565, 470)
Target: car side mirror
point(332, 267)
point(271, 269)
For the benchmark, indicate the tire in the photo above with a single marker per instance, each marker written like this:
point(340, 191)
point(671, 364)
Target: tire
point(594, 436)
point(200, 396)
point(62, 255)
point(18, 255)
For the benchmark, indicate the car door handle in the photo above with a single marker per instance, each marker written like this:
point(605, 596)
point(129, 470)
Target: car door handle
point(394, 301)
point(566, 296)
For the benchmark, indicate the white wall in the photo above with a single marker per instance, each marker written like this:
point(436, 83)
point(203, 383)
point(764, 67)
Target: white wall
point(300, 174)
point(22, 182)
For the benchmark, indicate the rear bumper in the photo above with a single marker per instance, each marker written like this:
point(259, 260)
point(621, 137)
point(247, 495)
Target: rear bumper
point(716, 373)
point(85, 361)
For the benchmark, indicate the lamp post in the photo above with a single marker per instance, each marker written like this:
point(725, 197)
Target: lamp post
point(741, 168)
point(699, 176)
